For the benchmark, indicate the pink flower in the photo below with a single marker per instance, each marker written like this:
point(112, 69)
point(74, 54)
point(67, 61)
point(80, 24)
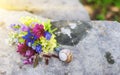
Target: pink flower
point(28, 60)
point(22, 48)
point(29, 53)
point(38, 30)
point(24, 28)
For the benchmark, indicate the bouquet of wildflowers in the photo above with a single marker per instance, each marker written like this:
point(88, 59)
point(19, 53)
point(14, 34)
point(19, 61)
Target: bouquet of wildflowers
point(34, 39)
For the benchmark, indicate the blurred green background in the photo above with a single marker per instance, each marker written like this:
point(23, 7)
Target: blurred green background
point(103, 9)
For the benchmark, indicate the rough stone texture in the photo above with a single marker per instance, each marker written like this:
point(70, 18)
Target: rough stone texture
point(52, 9)
point(92, 55)
point(70, 31)
point(103, 37)
point(9, 17)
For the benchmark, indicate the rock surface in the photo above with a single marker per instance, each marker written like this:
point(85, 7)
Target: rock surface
point(100, 49)
point(52, 9)
point(70, 31)
point(10, 17)
point(97, 53)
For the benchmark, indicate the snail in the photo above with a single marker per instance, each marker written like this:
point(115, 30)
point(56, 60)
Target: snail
point(65, 55)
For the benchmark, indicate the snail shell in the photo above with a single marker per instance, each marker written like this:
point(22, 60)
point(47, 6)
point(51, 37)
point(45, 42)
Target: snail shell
point(65, 55)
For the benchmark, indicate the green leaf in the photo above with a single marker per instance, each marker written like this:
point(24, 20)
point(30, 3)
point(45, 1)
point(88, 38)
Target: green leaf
point(100, 17)
point(17, 26)
point(21, 40)
point(47, 26)
point(54, 30)
point(117, 4)
point(89, 1)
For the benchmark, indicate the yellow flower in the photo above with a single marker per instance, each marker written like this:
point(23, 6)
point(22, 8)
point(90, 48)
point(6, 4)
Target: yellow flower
point(48, 45)
point(17, 36)
point(28, 20)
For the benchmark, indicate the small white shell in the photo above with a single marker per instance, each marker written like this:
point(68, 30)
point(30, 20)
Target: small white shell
point(65, 55)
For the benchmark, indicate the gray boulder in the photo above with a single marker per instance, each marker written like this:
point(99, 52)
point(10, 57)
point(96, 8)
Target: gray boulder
point(63, 10)
point(95, 51)
point(51, 9)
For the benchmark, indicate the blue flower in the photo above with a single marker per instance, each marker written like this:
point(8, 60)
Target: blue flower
point(30, 38)
point(38, 48)
point(48, 35)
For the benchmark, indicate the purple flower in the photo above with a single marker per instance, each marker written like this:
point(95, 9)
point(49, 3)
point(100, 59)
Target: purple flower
point(24, 28)
point(48, 35)
point(29, 53)
point(38, 48)
point(30, 38)
point(38, 30)
point(28, 60)
point(22, 48)
point(15, 27)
